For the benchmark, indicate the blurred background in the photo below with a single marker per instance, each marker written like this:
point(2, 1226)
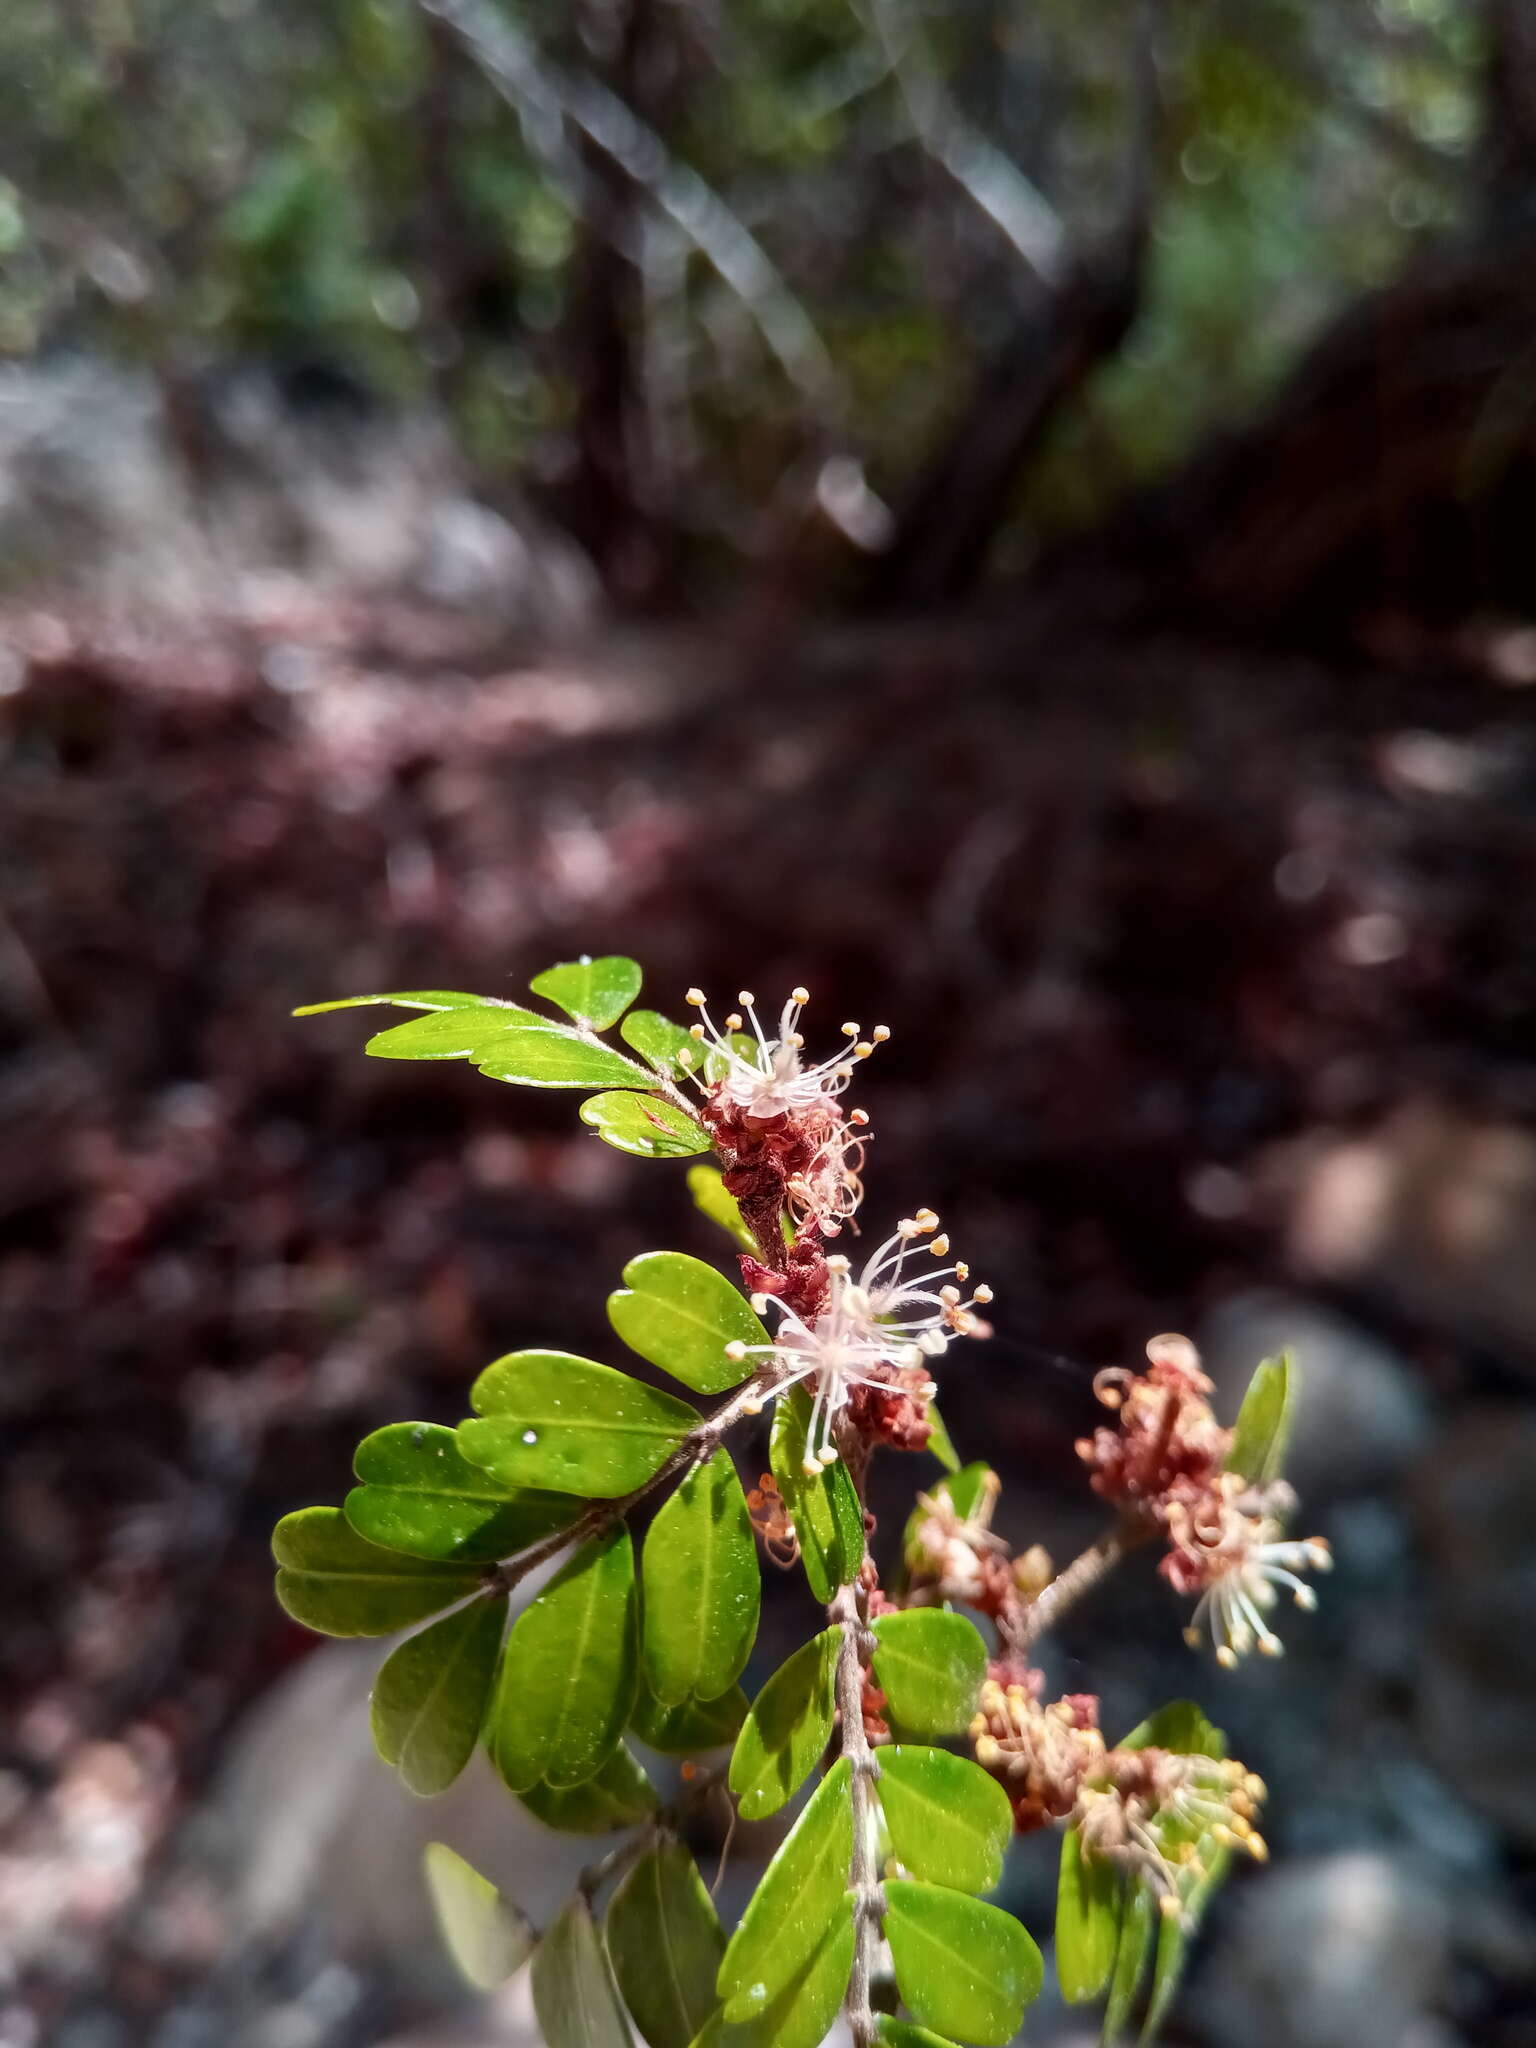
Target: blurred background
point(1015, 514)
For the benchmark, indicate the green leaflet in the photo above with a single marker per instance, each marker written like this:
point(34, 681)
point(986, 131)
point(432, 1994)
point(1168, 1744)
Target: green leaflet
point(568, 1424)
point(573, 1991)
point(930, 1666)
point(786, 1730)
point(420, 1495)
point(940, 1443)
point(487, 1936)
point(510, 1044)
point(1181, 1726)
point(801, 2014)
point(330, 1579)
point(665, 1943)
point(788, 1915)
point(429, 1698)
point(822, 1505)
point(948, 1821)
point(701, 1587)
point(413, 999)
point(1263, 1427)
point(691, 1728)
point(620, 1796)
point(567, 1678)
point(680, 1314)
point(712, 1199)
point(1131, 1959)
point(595, 992)
point(648, 1126)
point(1088, 1910)
point(670, 1048)
point(1173, 1941)
point(962, 1967)
point(903, 2034)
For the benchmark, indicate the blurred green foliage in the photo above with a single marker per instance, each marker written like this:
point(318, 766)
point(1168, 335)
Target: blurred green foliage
point(188, 180)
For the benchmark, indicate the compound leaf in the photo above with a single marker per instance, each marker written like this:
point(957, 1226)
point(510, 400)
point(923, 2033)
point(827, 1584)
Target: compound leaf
point(665, 1943)
point(930, 1666)
point(680, 1314)
point(949, 1822)
point(647, 1126)
point(788, 1915)
point(552, 1420)
point(421, 1495)
point(962, 1967)
point(595, 992)
point(701, 1587)
point(786, 1729)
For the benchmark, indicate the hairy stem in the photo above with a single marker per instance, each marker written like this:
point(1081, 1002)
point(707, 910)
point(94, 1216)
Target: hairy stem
point(847, 1611)
point(1022, 1631)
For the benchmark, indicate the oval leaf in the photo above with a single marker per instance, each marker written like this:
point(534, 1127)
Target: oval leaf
point(670, 1048)
point(690, 1728)
point(567, 1679)
point(573, 1992)
point(620, 1796)
point(510, 1045)
point(822, 1504)
point(665, 1943)
point(487, 1936)
point(1088, 1908)
point(949, 1822)
point(786, 1730)
point(330, 1579)
point(930, 1666)
point(421, 1495)
point(701, 1587)
point(1263, 1427)
point(570, 1425)
point(594, 992)
point(680, 1314)
point(962, 1967)
point(408, 999)
point(801, 2015)
point(429, 1698)
point(646, 1125)
point(788, 1915)
point(1181, 1726)
point(903, 2034)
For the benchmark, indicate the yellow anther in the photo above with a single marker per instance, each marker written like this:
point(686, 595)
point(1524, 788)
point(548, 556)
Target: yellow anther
point(849, 1030)
point(983, 1294)
point(697, 997)
point(733, 1022)
point(881, 1033)
point(799, 995)
point(695, 1031)
point(736, 1349)
point(863, 1049)
point(939, 1247)
point(858, 1116)
point(746, 998)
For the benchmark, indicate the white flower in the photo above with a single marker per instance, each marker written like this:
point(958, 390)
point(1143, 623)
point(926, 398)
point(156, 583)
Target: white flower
point(884, 1320)
point(1250, 1561)
point(770, 1079)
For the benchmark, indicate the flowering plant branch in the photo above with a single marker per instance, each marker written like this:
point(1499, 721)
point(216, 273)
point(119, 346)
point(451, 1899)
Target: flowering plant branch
point(872, 1901)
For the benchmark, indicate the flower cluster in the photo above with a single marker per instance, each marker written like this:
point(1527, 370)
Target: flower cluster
point(863, 1341)
point(1165, 1463)
point(1041, 1754)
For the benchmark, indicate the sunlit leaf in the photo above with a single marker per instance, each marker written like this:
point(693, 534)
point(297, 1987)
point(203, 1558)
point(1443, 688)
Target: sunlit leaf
point(1134, 1952)
point(1181, 1726)
point(823, 1504)
point(903, 2034)
point(510, 1045)
point(965, 1490)
point(948, 1821)
point(665, 1944)
point(413, 999)
point(713, 1199)
point(1088, 1909)
point(573, 1991)
point(701, 1586)
point(930, 1666)
point(620, 1796)
point(430, 1695)
point(594, 992)
point(421, 1495)
point(567, 1679)
point(680, 1314)
point(787, 1917)
point(786, 1730)
point(551, 1420)
point(962, 1967)
point(487, 1936)
point(670, 1048)
point(691, 1728)
point(647, 1126)
point(330, 1579)
point(940, 1443)
point(800, 2015)
point(1263, 1427)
